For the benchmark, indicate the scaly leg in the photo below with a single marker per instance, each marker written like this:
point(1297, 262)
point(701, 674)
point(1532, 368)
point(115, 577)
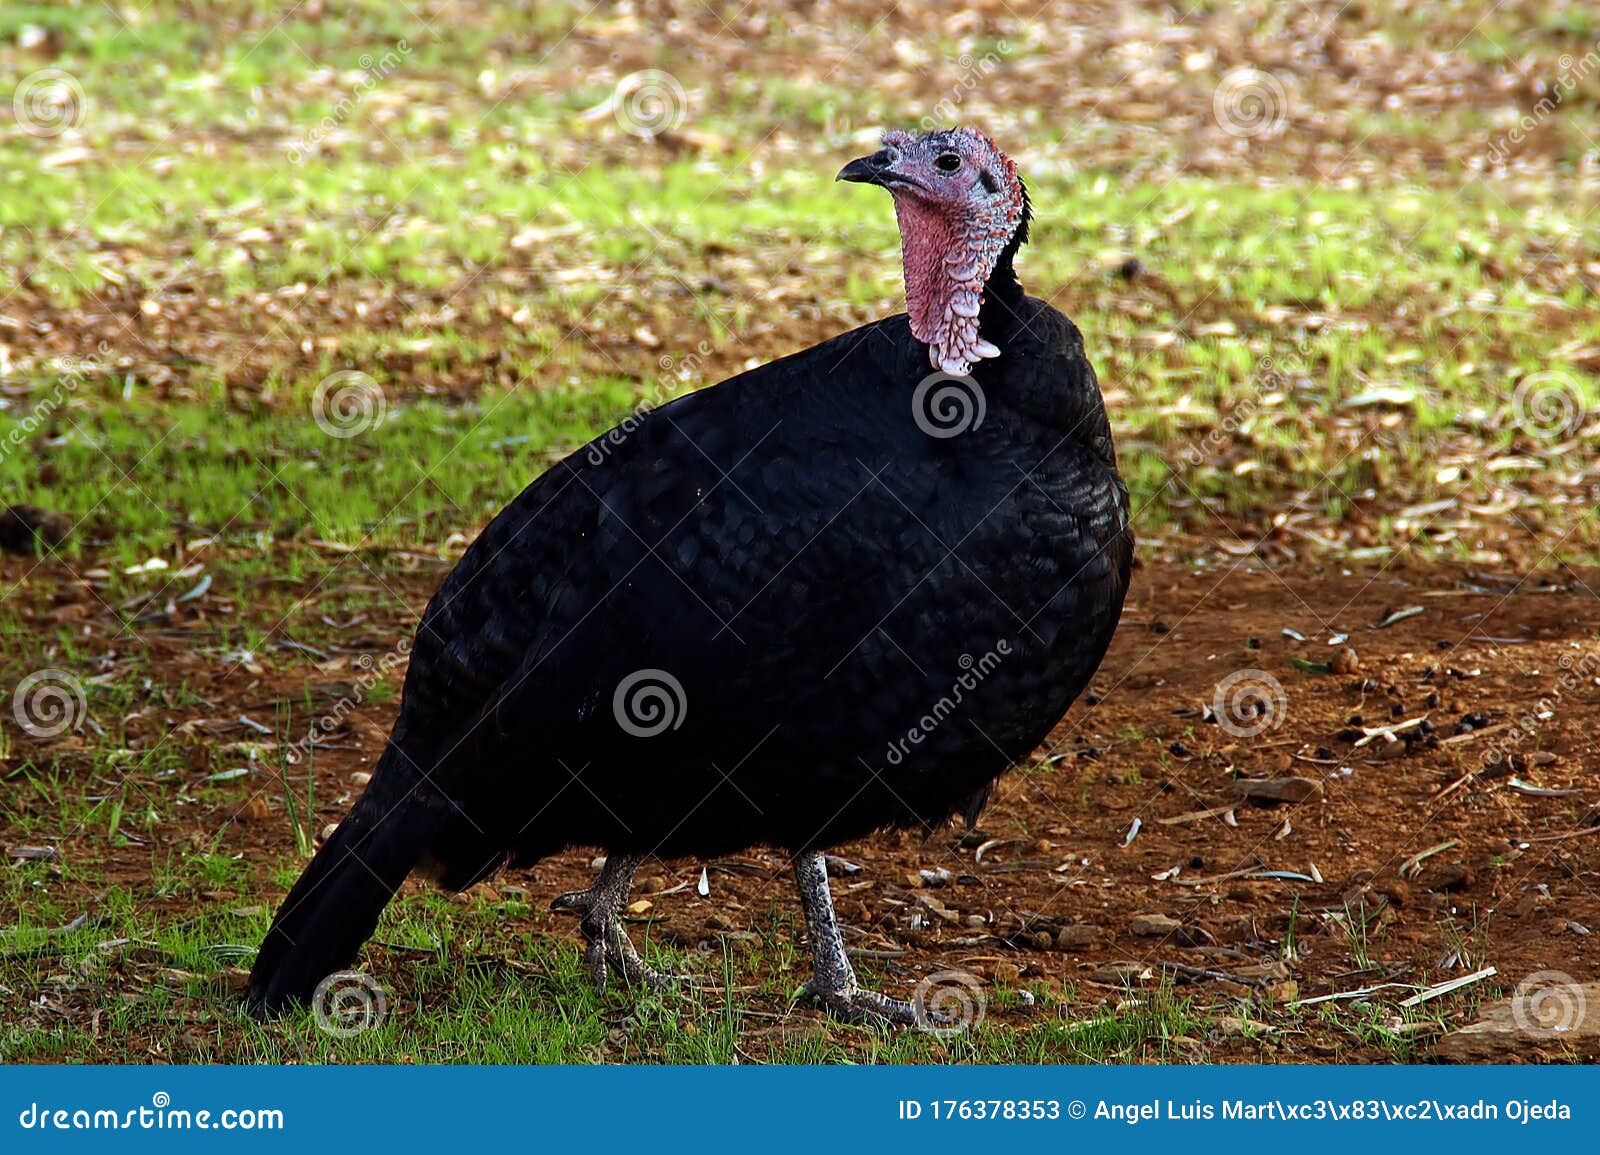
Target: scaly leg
point(833, 979)
point(602, 906)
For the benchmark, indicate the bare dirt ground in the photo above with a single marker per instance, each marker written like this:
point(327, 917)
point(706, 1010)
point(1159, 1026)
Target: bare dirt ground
point(1465, 836)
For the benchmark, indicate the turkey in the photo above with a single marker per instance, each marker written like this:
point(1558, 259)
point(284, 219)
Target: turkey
point(836, 594)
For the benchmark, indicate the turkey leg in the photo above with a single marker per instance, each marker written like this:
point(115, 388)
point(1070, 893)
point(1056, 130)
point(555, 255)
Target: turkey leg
point(833, 979)
point(602, 906)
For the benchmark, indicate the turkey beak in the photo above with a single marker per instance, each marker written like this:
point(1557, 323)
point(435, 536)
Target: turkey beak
point(874, 169)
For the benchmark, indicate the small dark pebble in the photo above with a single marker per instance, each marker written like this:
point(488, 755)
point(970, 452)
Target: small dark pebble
point(1131, 269)
point(1356, 720)
point(1349, 735)
point(1252, 643)
point(23, 525)
point(1159, 627)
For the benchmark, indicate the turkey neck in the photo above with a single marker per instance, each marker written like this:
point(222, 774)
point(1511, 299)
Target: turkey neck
point(1002, 298)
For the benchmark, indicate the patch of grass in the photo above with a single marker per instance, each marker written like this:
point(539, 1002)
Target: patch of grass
point(174, 985)
point(1360, 925)
point(1207, 384)
point(1403, 1032)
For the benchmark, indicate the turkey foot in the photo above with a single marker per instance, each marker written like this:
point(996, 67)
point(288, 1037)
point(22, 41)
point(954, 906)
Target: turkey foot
point(609, 945)
point(833, 980)
point(855, 1004)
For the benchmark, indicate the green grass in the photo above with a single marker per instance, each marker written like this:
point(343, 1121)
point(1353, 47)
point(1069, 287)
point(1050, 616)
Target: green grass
point(173, 985)
point(229, 464)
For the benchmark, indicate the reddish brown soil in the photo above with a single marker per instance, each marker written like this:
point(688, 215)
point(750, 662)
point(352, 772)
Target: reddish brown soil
point(1516, 887)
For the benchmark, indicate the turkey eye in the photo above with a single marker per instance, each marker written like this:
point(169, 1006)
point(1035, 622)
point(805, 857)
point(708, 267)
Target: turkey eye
point(949, 162)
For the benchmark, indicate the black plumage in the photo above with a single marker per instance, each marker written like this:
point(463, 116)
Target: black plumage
point(775, 611)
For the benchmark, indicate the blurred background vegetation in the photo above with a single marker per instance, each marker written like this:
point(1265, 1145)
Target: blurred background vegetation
point(1335, 263)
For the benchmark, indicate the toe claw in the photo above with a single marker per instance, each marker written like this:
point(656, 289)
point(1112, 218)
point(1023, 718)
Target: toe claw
point(611, 952)
point(595, 957)
point(856, 1005)
point(675, 980)
point(651, 979)
point(639, 973)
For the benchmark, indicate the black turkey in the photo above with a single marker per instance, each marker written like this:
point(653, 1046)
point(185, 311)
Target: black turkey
point(839, 593)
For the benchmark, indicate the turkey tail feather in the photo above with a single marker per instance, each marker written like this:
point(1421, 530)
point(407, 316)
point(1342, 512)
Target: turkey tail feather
point(335, 906)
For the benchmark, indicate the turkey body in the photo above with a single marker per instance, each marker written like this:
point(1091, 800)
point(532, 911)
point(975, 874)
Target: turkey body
point(834, 621)
point(775, 611)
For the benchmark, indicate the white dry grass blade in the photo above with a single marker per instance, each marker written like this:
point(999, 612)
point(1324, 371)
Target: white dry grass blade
point(1388, 732)
point(1409, 868)
point(1445, 988)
